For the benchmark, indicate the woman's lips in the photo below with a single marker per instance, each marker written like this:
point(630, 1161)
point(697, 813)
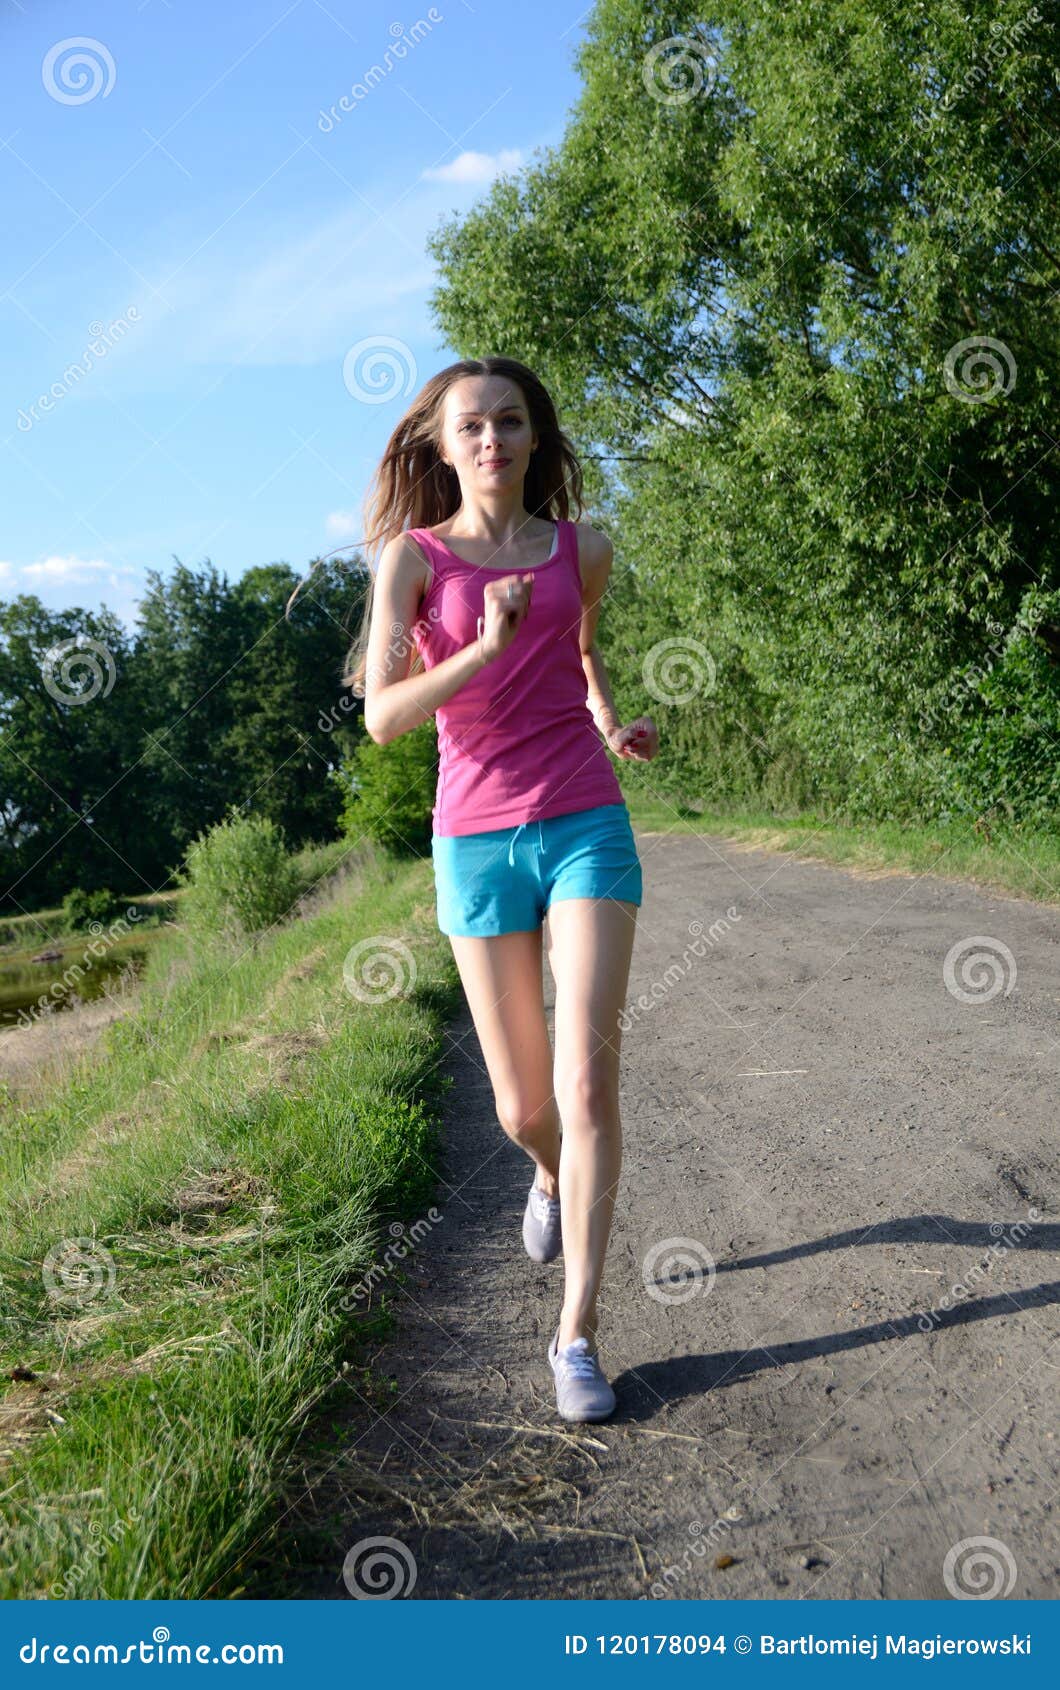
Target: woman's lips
point(495, 463)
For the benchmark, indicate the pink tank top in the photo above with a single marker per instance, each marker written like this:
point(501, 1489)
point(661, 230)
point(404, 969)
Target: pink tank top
point(517, 742)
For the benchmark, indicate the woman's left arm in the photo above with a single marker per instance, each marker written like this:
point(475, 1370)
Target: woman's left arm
point(638, 739)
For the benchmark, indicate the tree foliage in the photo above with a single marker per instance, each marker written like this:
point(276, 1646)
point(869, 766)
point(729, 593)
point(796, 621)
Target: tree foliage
point(793, 276)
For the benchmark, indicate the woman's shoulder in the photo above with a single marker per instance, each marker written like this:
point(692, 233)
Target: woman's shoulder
point(595, 553)
point(407, 552)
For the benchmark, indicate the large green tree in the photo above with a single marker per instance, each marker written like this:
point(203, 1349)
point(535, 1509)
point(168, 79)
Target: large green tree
point(792, 276)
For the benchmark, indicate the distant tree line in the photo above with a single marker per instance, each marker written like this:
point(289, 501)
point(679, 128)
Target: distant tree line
point(118, 749)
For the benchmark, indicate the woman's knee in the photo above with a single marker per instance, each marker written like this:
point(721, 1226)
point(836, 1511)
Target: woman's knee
point(588, 1097)
point(525, 1119)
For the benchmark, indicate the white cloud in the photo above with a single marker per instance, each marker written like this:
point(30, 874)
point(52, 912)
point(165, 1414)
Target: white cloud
point(66, 569)
point(340, 523)
point(476, 167)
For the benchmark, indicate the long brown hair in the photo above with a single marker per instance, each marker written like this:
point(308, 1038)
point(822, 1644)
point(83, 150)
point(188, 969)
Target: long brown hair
point(413, 488)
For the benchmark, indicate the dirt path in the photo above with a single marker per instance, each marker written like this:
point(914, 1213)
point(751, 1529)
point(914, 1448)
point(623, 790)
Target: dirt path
point(834, 1139)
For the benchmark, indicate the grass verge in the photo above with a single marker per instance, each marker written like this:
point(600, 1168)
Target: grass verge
point(1019, 862)
point(190, 1234)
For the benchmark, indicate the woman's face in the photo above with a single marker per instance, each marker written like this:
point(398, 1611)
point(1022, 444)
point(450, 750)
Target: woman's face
point(487, 435)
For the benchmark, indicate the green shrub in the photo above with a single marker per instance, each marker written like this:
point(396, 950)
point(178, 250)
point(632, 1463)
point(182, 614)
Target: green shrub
point(388, 791)
point(237, 877)
point(81, 908)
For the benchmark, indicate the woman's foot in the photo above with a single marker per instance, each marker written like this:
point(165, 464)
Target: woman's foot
point(542, 1227)
point(582, 1391)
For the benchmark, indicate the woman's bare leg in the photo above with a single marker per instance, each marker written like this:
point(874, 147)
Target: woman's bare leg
point(590, 950)
point(501, 977)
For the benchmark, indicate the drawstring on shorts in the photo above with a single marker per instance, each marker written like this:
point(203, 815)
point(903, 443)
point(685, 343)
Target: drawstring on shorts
point(515, 835)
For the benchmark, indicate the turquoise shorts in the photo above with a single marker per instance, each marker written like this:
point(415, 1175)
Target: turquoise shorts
point(504, 880)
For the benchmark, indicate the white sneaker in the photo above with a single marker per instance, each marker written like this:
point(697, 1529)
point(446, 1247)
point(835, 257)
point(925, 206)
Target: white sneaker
point(542, 1231)
point(582, 1392)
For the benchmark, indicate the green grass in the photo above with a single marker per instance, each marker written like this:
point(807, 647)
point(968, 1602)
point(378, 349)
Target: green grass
point(234, 1160)
point(1022, 862)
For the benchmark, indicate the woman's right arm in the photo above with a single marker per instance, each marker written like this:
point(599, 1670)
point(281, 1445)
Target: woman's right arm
point(394, 701)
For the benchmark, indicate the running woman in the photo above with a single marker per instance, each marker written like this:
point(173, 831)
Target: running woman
point(500, 593)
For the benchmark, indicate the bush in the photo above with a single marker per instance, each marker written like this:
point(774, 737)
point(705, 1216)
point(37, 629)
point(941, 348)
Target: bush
point(389, 791)
point(237, 877)
point(81, 908)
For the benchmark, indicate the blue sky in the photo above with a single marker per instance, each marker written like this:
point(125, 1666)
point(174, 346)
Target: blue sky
point(183, 224)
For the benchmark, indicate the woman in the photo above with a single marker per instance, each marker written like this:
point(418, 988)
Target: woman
point(501, 593)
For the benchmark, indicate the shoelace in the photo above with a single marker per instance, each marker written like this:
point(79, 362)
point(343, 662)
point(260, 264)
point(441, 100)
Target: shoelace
point(577, 1360)
point(544, 1204)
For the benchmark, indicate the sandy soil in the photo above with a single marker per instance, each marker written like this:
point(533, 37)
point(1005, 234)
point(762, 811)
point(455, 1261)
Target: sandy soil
point(822, 1142)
